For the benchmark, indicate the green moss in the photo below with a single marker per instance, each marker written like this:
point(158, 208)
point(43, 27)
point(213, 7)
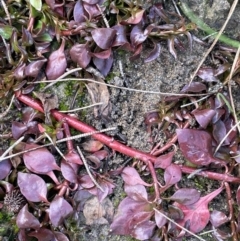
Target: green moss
point(69, 89)
point(8, 227)
point(63, 106)
point(116, 200)
point(111, 75)
point(42, 85)
point(201, 183)
point(5, 217)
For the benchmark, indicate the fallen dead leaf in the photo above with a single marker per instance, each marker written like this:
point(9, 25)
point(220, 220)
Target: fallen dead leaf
point(96, 212)
point(99, 94)
point(49, 102)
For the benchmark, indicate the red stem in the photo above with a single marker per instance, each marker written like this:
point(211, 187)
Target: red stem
point(117, 146)
point(68, 135)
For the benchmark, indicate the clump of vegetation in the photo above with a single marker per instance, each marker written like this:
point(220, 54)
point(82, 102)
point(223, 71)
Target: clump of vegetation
point(50, 40)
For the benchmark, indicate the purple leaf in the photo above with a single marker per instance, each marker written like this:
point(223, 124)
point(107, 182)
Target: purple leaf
point(107, 187)
point(59, 210)
point(194, 87)
point(171, 47)
point(219, 132)
point(92, 10)
point(155, 53)
point(73, 157)
point(175, 213)
point(103, 65)
point(195, 145)
point(18, 129)
point(164, 161)
point(86, 182)
point(172, 175)
point(207, 74)
point(57, 63)
point(197, 214)
point(137, 192)
point(218, 218)
point(80, 54)
point(104, 37)
point(126, 211)
point(78, 12)
point(40, 161)
point(34, 68)
point(60, 236)
point(121, 35)
point(159, 219)
point(143, 230)
point(37, 191)
point(43, 234)
point(69, 171)
point(137, 51)
point(203, 117)
point(229, 123)
point(26, 220)
point(135, 19)
point(137, 36)
point(7, 186)
point(91, 2)
point(221, 69)
point(186, 196)
point(27, 39)
point(19, 72)
point(5, 167)
point(103, 54)
point(131, 177)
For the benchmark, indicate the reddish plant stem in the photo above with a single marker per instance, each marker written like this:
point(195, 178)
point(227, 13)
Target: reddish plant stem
point(117, 146)
point(68, 135)
point(231, 212)
point(64, 188)
point(155, 181)
point(157, 152)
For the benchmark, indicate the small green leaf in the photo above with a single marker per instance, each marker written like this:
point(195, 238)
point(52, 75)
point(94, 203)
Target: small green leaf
point(6, 31)
point(45, 37)
point(37, 4)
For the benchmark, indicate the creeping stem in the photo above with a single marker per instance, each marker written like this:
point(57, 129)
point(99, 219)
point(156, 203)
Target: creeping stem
point(117, 146)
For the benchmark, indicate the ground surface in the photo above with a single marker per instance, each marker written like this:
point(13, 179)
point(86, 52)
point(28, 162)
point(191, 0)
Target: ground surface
point(165, 74)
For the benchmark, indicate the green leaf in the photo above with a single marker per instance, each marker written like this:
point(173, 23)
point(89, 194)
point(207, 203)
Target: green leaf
point(6, 31)
point(44, 38)
point(37, 4)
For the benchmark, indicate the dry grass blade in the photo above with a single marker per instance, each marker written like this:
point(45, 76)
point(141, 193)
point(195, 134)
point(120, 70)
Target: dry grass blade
point(6, 11)
point(9, 107)
point(82, 108)
point(58, 150)
point(87, 169)
point(233, 67)
point(61, 77)
point(225, 137)
point(124, 88)
point(3, 157)
point(172, 221)
point(215, 40)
